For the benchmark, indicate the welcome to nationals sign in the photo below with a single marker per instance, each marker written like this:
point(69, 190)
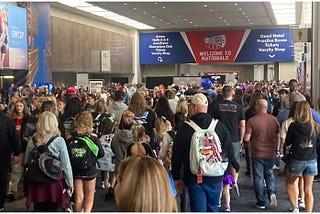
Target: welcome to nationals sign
point(261, 45)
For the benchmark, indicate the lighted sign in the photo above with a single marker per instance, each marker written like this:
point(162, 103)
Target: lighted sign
point(13, 37)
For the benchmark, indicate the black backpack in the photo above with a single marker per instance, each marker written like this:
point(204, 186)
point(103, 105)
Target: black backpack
point(81, 157)
point(33, 173)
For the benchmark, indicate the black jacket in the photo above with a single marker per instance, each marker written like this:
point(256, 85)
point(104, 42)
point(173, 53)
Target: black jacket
point(304, 146)
point(181, 149)
point(9, 139)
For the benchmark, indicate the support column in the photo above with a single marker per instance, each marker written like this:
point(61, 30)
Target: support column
point(136, 64)
point(315, 89)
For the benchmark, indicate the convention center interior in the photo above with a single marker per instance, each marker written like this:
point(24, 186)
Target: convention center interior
point(160, 106)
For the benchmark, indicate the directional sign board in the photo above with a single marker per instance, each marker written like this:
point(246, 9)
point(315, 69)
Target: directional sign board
point(273, 45)
point(263, 45)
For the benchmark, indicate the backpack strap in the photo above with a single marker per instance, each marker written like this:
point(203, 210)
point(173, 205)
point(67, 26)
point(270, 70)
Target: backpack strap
point(51, 140)
point(97, 117)
point(193, 125)
point(92, 146)
point(47, 144)
point(213, 124)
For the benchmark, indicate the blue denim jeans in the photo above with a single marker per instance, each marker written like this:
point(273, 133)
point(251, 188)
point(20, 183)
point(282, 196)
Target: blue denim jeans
point(204, 197)
point(262, 171)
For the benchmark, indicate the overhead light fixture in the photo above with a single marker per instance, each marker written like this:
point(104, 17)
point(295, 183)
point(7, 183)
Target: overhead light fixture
point(284, 12)
point(7, 77)
point(87, 7)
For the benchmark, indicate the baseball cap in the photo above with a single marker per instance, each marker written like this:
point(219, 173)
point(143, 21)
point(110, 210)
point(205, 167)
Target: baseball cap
point(72, 90)
point(199, 99)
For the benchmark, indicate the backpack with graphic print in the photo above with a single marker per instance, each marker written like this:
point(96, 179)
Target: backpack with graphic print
point(81, 152)
point(206, 152)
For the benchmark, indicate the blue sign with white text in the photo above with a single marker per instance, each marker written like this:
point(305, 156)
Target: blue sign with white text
point(164, 48)
point(267, 45)
point(225, 46)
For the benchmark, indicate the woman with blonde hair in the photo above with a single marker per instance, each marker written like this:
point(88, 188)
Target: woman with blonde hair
point(303, 139)
point(51, 106)
point(182, 106)
point(47, 197)
point(143, 186)
point(84, 151)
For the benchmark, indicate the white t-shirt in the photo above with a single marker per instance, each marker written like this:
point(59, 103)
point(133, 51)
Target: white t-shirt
point(284, 127)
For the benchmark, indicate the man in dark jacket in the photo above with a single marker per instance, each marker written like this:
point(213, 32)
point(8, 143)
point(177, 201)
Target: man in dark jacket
point(9, 144)
point(204, 195)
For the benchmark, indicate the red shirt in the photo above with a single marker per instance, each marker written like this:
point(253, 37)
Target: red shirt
point(18, 123)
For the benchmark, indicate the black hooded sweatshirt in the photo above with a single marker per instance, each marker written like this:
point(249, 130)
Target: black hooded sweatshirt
point(304, 146)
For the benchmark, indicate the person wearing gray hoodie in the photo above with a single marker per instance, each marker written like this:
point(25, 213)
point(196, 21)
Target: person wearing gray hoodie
point(118, 107)
point(122, 138)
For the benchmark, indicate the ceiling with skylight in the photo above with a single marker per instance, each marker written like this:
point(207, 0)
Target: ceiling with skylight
point(193, 15)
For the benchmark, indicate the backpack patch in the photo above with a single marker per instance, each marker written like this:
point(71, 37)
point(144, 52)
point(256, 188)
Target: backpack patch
point(79, 154)
point(206, 152)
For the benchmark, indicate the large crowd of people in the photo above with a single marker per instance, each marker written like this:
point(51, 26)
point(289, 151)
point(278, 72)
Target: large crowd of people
point(104, 131)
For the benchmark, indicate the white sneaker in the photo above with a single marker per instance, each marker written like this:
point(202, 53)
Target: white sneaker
point(302, 204)
point(273, 200)
point(275, 167)
point(295, 210)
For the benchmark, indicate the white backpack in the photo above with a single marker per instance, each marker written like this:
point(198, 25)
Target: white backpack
point(205, 151)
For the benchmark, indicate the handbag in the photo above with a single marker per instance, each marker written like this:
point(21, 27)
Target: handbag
point(287, 154)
